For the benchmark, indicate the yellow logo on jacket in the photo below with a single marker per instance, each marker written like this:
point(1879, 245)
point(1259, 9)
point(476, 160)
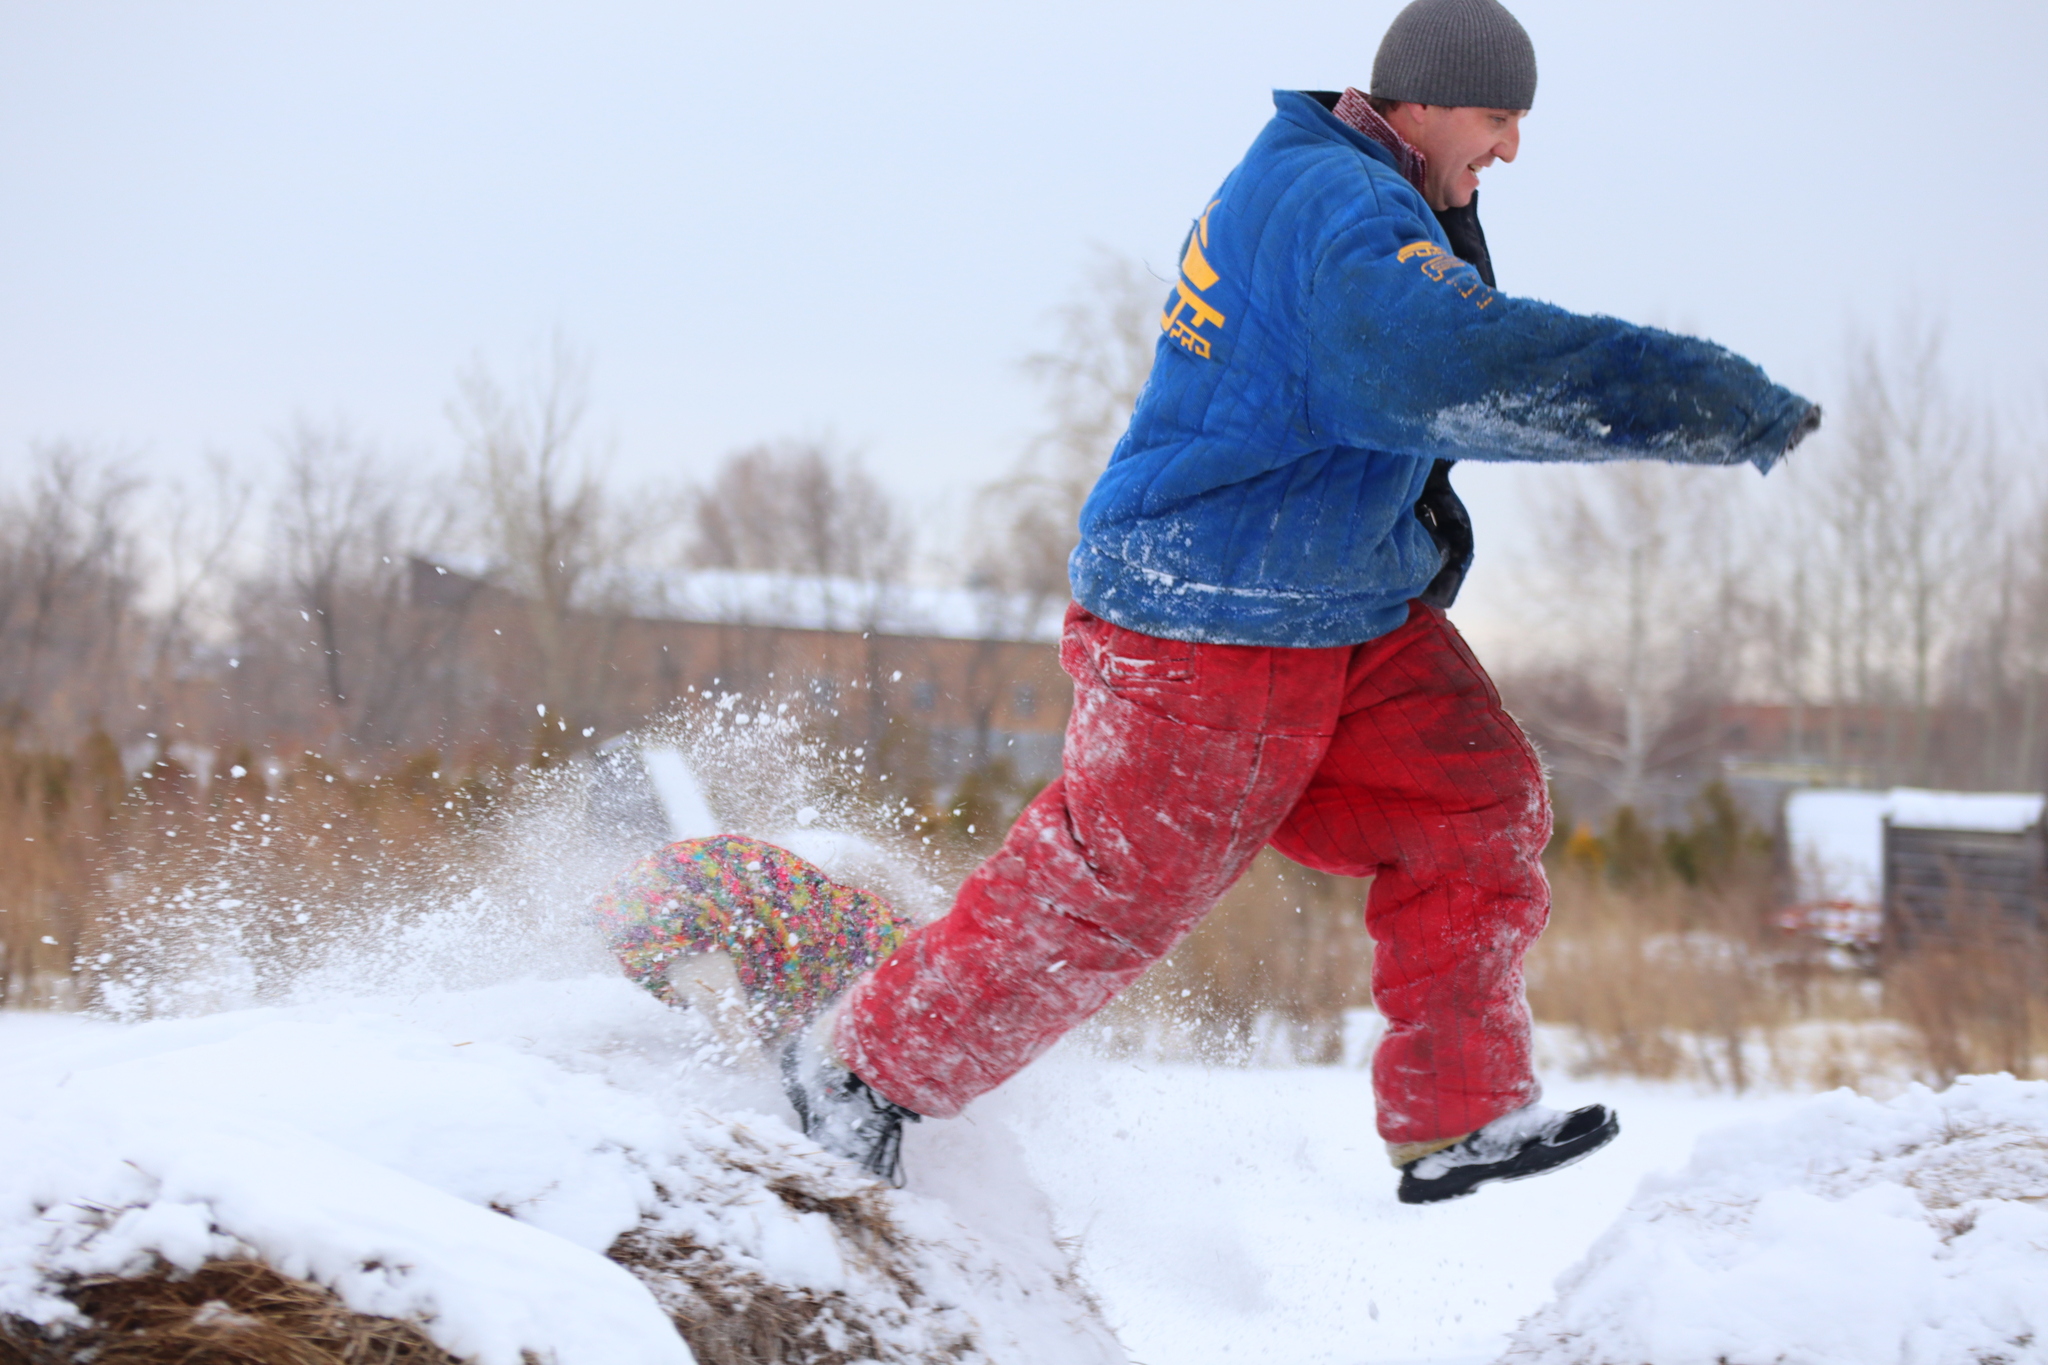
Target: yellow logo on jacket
point(1189, 311)
point(1437, 263)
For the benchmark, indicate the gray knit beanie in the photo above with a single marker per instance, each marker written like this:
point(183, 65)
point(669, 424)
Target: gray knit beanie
point(1459, 53)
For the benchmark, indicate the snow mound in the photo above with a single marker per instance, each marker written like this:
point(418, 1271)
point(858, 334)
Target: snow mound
point(563, 1171)
point(1853, 1232)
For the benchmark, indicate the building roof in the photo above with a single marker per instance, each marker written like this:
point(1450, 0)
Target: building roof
point(738, 597)
point(806, 602)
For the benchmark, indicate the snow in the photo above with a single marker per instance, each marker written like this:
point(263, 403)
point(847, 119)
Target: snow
point(1837, 844)
point(1851, 1232)
point(811, 602)
point(1992, 812)
point(1231, 1216)
point(1221, 1215)
point(681, 795)
point(467, 1157)
point(362, 1149)
point(1247, 1216)
point(1837, 836)
point(823, 602)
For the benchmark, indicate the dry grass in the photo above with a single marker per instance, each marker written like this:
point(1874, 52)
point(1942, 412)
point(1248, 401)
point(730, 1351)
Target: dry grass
point(1646, 975)
point(1666, 981)
point(242, 1312)
point(733, 1316)
point(1669, 981)
point(225, 1313)
point(1661, 960)
point(1977, 1002)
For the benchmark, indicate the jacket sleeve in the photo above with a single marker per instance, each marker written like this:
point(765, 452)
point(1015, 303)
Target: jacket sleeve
point(1411, 352)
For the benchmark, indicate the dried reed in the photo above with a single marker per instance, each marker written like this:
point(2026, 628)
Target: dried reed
point(731, 1315)
point(1976, 998)
point(225, 1313)
point(1665, 980)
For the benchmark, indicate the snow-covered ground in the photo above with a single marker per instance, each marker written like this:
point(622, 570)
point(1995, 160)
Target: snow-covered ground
point(1232, 1216)
point(1850, 1232)
point(1219, 1215)
point(469, 1158)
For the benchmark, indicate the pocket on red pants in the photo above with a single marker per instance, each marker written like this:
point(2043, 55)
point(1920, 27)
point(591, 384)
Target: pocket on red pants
point(1124, 660)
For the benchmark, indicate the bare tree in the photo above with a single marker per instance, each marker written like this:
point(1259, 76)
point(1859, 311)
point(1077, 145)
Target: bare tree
point(1895, 509)
point(540, 500)
point(802, 508)
point(343, 525)
point(1639, 595)
point(1874, 587)
point(1026, 524)
point(70, 626)
point(2028, 627)
point(826, 538)
point(1029, 521)
point(192, 579)
point(2005, 613)
point(332, 521)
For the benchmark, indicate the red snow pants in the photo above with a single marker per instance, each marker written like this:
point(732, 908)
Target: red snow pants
point(1391, 760)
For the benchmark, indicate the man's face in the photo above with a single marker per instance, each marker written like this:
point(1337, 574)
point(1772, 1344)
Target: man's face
point(1460, 143)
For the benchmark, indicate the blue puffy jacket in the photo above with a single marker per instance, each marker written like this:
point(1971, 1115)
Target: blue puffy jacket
point(1320, 349)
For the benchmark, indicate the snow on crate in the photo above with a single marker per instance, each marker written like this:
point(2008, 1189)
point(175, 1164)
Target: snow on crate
point(1836, 837)
point(564, 1171)
point(1854, 1232)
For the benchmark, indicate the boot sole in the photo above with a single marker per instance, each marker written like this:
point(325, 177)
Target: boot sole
point(1534, 1158)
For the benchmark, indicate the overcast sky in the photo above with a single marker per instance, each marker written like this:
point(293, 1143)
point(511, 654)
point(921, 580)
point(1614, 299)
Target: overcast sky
point(805, 218)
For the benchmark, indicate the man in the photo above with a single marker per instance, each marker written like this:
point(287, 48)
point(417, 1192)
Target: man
point(1258, 641)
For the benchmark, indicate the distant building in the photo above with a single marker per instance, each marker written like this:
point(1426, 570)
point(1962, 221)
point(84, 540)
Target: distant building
point(954, 678)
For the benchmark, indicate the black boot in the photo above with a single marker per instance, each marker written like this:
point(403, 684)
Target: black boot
point(841, 1114)
point(1528, 1142)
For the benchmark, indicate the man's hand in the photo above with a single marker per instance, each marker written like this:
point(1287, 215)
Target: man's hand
point(1808, 425)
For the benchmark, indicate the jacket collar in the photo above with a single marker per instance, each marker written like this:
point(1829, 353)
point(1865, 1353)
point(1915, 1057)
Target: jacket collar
point(1305, 110)
point(1353, 108)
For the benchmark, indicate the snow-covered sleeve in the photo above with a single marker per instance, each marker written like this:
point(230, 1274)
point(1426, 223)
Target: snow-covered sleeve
point(1412, 352)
